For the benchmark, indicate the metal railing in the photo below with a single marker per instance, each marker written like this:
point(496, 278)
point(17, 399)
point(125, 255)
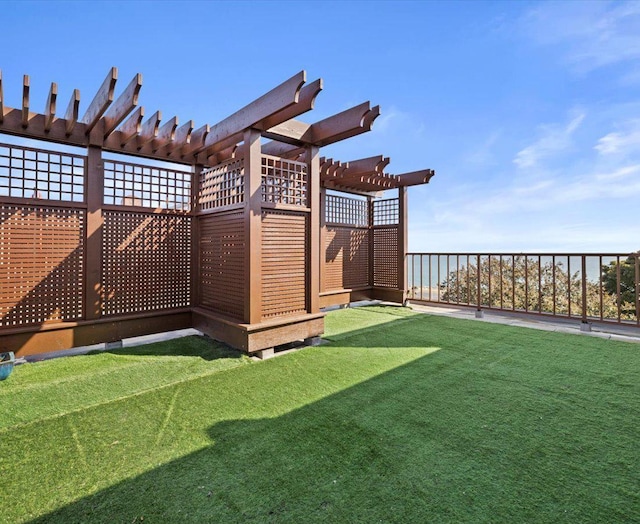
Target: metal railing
point(588, 287)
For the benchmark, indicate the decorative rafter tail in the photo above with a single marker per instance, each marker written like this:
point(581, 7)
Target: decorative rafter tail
point(269, 104)
point(50, 109)
point(165, 135)
point(149, 130)
point(415, 177)
point(131, 126)
point(71, 114)
point(101, 101)
point(196, 142)
point(120, 109)
point(25, 101)
point(305, 103)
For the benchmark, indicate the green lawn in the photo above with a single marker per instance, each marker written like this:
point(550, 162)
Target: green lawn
point(403, 417)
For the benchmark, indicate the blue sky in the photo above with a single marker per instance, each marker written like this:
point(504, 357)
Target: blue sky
point(528, 111)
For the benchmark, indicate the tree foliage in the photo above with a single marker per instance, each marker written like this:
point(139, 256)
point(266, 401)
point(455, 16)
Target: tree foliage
point(531, 283)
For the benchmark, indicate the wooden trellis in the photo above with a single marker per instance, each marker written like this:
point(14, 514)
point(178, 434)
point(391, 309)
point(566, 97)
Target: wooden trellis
point(244, 242)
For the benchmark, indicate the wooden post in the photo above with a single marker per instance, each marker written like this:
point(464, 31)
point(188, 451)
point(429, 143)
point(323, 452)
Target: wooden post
point(253, 227)
point(403, 240)
point(323, 239)
point(93, 240)
point(313, 196)
point(195, 236)
point(370, 231)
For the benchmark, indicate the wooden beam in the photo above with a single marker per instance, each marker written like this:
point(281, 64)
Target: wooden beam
point(50, 109)
point(180, 138)
point(276, 148)
point(291, 132)
point(1, 100)
point(149, 129)
point(224, 155)
point(269, 104)
point(126, 102)
point(196, 142)
point(101, 100)
point(25, 101)
point(131, 127)
point(365, 167)
point(71, 115)
point(351, 122)
point(166, 132)
point(415, 178)
point(305, 103)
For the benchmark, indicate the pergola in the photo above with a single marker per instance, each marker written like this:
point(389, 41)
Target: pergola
point(244, 243)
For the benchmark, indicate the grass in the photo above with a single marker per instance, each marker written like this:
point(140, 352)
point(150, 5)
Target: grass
point(401, 418)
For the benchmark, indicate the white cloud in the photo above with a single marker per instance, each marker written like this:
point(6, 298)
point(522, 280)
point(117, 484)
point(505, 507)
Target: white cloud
point(590, 34)
point(621, 142)
point(554, 139)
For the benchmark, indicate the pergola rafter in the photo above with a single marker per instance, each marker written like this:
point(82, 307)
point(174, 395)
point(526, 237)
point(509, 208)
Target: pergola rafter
point(367, 175)
point(257, 243)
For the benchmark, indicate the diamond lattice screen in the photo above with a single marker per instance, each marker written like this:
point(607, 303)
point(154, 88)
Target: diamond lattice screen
point(41, 264)
point(146, 264)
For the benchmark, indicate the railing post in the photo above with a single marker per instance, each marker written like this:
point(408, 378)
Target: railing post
point(479, 312)
point(584, 326)
point(637, 287)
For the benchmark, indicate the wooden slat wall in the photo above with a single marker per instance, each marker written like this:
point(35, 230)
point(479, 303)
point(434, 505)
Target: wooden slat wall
point(346, 258)
point(41, 264)
point(385, 257)
point(222, 278)
point(146, 262)
point(284, 260)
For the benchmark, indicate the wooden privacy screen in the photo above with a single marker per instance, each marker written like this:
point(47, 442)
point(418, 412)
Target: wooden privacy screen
point(385, 243)
point(146, 262)
point(284, 263)
point(221, 249)
point(41, 264)
point(361, 243)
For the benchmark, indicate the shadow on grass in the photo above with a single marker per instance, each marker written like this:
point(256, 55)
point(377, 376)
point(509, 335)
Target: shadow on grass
point(433, 440)
point(192, 346)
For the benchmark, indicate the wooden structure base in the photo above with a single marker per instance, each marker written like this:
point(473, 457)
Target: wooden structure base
point(46, 338)
point(257, 337)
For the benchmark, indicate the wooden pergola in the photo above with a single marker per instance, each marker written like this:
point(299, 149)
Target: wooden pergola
point(247, 243)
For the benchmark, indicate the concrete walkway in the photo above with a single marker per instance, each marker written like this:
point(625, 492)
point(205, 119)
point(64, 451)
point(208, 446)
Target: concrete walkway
point(600, 330)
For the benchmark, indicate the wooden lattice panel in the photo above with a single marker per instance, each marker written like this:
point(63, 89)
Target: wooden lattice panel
point(284, 263)
point(284, 181)
point(147, 262)
point(41, 264)
point(347, 211)
point(346, 258)
point(386, 212)
point(385, 257)
point(36, 173)
point(222, 185)
point(137, 185)
point(222, 277)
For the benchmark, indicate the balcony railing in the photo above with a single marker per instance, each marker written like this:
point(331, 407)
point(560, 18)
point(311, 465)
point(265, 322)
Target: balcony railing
point(587, 287)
